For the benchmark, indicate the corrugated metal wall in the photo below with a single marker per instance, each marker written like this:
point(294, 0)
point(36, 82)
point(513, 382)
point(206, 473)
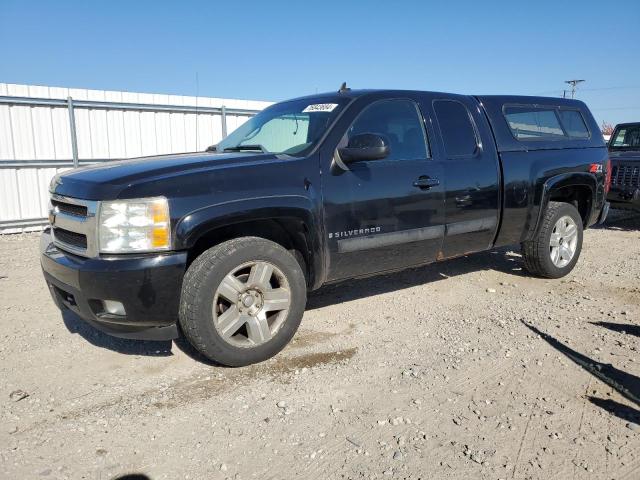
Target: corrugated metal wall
point(35, 141)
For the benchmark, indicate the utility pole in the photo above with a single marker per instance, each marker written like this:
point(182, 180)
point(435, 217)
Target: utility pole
point(574, 84)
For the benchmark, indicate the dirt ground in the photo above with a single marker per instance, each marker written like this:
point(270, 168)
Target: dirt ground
point(467, 369)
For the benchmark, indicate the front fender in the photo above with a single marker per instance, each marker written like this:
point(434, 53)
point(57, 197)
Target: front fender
point(197, 223)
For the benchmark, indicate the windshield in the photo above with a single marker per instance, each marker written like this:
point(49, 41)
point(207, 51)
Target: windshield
point(626, 138)
point(292, 128)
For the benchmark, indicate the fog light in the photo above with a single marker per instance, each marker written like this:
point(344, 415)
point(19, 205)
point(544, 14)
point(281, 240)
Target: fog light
point(113, 307)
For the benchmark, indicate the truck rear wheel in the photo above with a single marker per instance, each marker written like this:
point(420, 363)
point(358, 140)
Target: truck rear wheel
point(556, 247)
point(242, 301)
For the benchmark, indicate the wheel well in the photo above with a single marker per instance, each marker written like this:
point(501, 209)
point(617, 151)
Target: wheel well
point(290, 233)
point(580, 196)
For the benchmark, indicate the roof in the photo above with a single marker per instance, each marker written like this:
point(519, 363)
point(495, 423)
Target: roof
point(568, 102)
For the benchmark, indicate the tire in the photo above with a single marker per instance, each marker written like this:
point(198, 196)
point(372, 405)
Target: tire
point(263, 326)
point(539, 253)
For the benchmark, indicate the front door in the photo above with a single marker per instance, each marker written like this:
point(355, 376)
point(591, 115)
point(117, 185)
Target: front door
point(384, 214)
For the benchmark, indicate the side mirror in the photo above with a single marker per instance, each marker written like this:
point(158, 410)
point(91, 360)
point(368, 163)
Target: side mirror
point(212, 148)
point(365, 146)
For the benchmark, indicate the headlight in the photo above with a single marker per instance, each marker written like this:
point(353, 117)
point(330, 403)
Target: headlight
point(140, 225)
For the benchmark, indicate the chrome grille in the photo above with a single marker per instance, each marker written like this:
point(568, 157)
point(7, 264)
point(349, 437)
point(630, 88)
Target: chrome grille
point(70, 208)
point(74, 225)
point(626, 176)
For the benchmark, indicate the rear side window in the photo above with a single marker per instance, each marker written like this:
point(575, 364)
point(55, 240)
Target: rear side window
point(456, 127)
point(573, 123)
point(529, 123)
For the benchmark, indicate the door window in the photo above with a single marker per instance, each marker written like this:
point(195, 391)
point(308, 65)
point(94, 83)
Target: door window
point(399, 122)
point(458, 133)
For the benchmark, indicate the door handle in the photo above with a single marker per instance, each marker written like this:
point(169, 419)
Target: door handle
point(425, 183)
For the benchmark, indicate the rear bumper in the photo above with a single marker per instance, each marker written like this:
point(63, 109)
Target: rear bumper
point(148, 286)
point(622, 197)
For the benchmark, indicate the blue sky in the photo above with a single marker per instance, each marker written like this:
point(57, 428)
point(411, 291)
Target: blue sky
point(274, 50)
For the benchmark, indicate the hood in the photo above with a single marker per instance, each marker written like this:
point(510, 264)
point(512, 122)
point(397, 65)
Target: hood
point(624, 155)
point(108, 180)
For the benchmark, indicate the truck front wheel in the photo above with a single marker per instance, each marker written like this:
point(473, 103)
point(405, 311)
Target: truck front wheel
point(242, 301)
point(556, 247)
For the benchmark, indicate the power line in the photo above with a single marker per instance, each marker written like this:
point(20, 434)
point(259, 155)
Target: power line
point(559, 91)
point(630, 87)
point(615, 108)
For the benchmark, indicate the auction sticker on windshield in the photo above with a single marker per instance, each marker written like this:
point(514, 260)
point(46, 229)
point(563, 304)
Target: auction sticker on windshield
point(320, 107)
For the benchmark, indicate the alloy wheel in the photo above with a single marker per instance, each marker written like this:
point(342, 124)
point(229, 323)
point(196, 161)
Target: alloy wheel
point(251, 304)
point(563, 242)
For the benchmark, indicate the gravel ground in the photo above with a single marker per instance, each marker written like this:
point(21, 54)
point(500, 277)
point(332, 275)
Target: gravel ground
point(463, 369)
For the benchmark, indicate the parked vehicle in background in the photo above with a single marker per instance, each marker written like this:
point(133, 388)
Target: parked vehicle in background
point(624, 148)
point(225, 244)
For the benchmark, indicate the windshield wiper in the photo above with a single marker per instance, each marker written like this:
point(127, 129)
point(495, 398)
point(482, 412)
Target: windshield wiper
point(240, 148)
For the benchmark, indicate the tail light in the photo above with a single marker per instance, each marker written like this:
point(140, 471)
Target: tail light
point(607, 177)
point(598, 168)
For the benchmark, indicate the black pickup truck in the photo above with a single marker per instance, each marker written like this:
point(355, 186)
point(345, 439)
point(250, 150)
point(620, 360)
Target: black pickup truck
point(624, 150)
point(225, 244)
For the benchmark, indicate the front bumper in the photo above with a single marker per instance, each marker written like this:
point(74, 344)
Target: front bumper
point(622, 197)
point(147, 285)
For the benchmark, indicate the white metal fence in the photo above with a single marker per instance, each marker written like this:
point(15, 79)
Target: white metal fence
point(45, 130)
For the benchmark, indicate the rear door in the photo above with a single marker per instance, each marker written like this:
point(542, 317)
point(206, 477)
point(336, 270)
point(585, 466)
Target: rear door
point(472, 173)
point(378, 216)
